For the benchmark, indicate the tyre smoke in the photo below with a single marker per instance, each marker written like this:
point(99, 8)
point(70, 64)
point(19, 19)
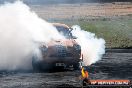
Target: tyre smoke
point(92, 47)
point(20, 28)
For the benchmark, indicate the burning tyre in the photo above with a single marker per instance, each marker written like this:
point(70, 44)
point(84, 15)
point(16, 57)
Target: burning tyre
point(58, 54)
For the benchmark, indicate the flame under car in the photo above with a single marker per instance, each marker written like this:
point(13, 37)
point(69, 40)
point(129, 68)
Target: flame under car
point(58, 54)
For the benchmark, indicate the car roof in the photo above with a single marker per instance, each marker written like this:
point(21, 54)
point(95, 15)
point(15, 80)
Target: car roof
point(61, 25)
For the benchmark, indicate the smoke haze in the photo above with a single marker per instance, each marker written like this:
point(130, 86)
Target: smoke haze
point(92, 47)
point(19, 29)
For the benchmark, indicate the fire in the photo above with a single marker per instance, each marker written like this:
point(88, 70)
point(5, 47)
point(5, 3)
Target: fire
point(85, 77)
point(84, 73)
point(86, 81)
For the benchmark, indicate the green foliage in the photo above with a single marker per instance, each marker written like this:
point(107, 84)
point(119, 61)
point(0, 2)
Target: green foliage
point(117, 33)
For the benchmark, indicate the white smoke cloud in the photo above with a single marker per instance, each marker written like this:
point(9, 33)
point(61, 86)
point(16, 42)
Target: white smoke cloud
point(19, 28)
point(92, 47)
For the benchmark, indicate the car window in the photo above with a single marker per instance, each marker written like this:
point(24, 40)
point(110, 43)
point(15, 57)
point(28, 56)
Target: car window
point(64, 31)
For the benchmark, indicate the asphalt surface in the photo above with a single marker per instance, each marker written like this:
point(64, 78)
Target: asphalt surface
point(115, 64)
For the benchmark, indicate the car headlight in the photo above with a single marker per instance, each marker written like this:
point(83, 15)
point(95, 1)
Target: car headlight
point(77, 47)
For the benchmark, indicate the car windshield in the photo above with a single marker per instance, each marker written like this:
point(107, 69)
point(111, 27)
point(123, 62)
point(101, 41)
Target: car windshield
point(65, 31)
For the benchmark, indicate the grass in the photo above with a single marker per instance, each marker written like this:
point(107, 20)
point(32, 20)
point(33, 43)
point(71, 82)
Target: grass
point(117, 33)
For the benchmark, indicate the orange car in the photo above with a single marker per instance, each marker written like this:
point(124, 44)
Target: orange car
point(59, 54)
